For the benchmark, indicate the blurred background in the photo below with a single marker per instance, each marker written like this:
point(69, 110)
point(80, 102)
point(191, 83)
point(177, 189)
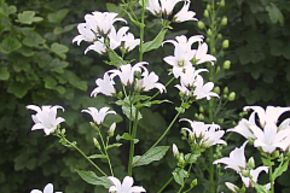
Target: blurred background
point(39, 65)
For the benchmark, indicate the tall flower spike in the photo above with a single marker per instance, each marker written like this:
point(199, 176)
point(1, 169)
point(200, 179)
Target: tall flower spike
point(47, 189)
point(104, 86)
point(125, 187)
point(98, 115)
point(46, 118)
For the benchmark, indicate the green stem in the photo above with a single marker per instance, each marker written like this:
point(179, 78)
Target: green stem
point(166, 85)
point(165, 185)
point(70, 144)
point(132, 144)
point(166, 130)
point(106, 152)
point(272, 190)
point(142, 28)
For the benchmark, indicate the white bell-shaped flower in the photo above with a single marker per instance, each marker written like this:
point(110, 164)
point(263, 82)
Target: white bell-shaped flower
point(98, 115)
point(125, 187)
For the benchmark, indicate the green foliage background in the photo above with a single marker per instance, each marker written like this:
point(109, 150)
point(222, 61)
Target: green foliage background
point(39, 65)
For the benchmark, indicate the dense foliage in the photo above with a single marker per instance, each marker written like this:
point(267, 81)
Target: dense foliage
point(39, 65)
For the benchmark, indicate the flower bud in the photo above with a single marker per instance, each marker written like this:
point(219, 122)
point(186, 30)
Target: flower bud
point(96, 143)
point(201, 109)
point(112, 129)
point(224, 21)
point(218, 69)
point(181, 160)
point(206, 13)
point(222, 3)
point(217, 90)
point(200, 25)
point(232, 187)
point(175, 150)
point(201, 117)
point(251, 163)
point(227, 65)
point(276, 154)
point(232, 96)
point(220, 36)
point(209, 32)
point(226, 90)
point(193, 183)
point(246, 173)
point(226, 44)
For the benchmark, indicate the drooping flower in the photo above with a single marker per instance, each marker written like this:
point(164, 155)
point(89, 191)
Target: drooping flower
point(201, 56)
point(237, 162)
point(149, 81)
point(125, 187)
point(184, 14)
point(264, 131)
point(183, 54)
point(205, 134)
point(203, 90)
point(127, 72)
point(86, 34)
point(47, 189)
point(102, 22)
point(97, 46)
point(130, 42)
point(116, 37)
point(46, 118)
point(98, 115)
point(104, 86)
point(189, 75)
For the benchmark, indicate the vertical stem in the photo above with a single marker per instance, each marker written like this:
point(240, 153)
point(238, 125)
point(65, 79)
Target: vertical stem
point(271, 179)
point(142, 27)
point(132, 144)
point(165, 185)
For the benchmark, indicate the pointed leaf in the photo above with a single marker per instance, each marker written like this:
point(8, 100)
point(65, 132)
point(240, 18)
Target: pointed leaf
point(152, 155)
point(91, 178)
point(156, 42)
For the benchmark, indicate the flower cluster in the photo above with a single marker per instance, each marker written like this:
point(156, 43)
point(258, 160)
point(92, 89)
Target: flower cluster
point(165, 9)
point(204, 135)
point(136, 75)
point(183, 64)
point(99, 30)
point(125, 187)
point(262, 127)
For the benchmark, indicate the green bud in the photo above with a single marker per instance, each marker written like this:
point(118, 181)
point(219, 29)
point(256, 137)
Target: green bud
point(96, 143)
point(111, 130)
point(217, 90)
point(227, 65)
point(246, 173)
point(200, 25)
point(232, 96)
point(201, 109)
point(226, 90)
point(193, 183)
point(206, 13)
point(224, 21)
point(225, 96)
point(196, 115)
point(220, 36)
point(226, 44)
point(181, 160)
point(218, 69)
point(207, 40)
point(251, 163)
point(208, 7)
point(201, 117)
point(220, 120)
point(222, 3)
point(209, 32)
point(276, 154)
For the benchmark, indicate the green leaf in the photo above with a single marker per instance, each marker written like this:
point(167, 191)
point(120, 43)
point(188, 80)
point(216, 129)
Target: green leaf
point(18, 89)
point(98, 156)
point(179, 176)
point(57, 16)
point(33, 39)
point(9, 44)
point(115, 59)
point(275, 14)
point(283, 167)
point(152, 155)
point(50, 83)
point(113, 146)
point(191, 158)
point(127, 137)
point(91, 178)
point(59, 49)
point(156, 42)
point(4, 73)
point(28, 17)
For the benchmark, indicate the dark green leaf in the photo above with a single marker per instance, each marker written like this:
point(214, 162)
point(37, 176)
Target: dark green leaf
point(28, 17)
point(91, 178)
point(4, 73)
point(59, 49)
point(155, 43)
point(57, 16)
point(9, 44)
point(179, 176)
point(152, 155)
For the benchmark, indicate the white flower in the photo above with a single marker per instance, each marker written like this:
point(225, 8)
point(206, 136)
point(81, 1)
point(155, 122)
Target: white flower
point(150, 81)
point(99, 115)
point(104, 86)
point(127, 72)
point(203, 90)
point(85, 34)
point(167, 6)
point(232, 187)
point(175, 150)
point(184, 14)
point(130, 42)
point(154, 7)
point(98, 46)
point(188, 77)
point(125, 187)
point(266, 133)
point(47, 189)
point(183, 54)
point(116, 38)
point(46, 118)
point(254, 175)
point(201, 55)
point(102, 22)
point(183, 89)
point(236, 161)
point(205, 134)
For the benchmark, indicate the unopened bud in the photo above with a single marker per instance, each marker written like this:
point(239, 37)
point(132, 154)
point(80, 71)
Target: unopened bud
point(232, 96)
point(226, 90)
point(193, 183)
point(251, 163)
point(217, 90)
point(224, 21)
point(209, 32)
point(201, 109)
point(220, 36)
point(200, 25)
point(276, 154)
point(232, 187)
point(206, 13)
point(218, 69)
point(181, 160)
point(222, 3)
point(246, 173)
point(96, 143)
point(226, 44)
point(201, 117)
point(227, 65)
point(112, 129)
point(175, 150)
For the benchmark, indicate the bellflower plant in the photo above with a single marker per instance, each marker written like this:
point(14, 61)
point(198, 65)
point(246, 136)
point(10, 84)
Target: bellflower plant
point(132, 85)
